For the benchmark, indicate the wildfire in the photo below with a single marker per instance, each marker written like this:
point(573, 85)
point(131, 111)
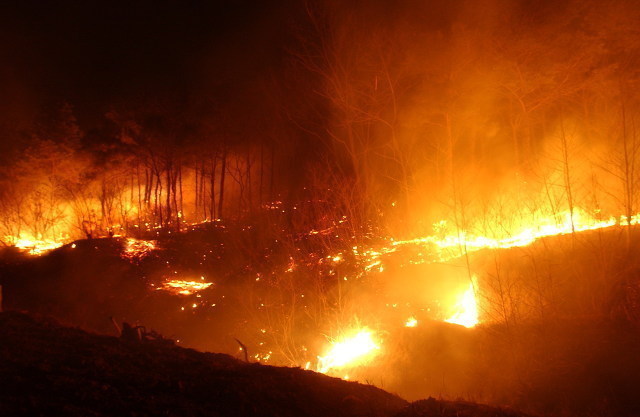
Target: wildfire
point(357, 349)
point(447, 246)
point(466, 309)
point(184, 287)
point(35, 246)
point(136, 249)
point(411, 322)
point(539, 227)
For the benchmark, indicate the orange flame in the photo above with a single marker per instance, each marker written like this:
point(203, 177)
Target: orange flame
point(184, 287)
point(539, 226)
point(357, 349)
point(34, 246)
point(411, 322)
point(466, 309)
point(136, 249)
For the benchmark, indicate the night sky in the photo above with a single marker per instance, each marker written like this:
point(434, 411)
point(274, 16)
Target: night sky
point(97, 54)
point(242, 57)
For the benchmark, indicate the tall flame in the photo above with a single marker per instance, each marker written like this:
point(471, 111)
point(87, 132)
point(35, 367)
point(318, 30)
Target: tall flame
point(349, 351)
point(466, 309)
point(411, 322)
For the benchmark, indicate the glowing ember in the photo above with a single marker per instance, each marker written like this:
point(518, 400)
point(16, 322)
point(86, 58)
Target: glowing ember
point(184, 287)
point(136, 249)
point(349, 351)
point(411, 322)
point(466, 309)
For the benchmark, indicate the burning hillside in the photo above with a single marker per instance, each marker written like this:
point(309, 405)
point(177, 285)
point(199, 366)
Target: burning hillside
point(440, 198)
point(373, 312)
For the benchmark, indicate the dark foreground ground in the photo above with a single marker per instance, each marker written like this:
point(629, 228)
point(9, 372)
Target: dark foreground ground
point(48, 369)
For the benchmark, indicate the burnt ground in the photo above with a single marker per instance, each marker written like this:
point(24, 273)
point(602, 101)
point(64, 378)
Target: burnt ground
point(49, 369)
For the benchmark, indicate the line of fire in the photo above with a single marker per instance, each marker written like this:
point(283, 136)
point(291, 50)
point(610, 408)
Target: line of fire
point(439, 199)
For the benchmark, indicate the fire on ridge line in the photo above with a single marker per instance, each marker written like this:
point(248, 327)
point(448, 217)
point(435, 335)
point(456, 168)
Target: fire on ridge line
point(363, 345)
point(563, 223)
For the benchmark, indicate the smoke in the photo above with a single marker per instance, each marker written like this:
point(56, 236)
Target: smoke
point(443, 111)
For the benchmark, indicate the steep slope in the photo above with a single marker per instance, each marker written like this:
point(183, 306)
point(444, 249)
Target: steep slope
point(47, 369)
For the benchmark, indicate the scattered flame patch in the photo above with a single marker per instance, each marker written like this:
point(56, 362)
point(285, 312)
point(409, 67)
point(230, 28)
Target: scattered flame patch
point(137, 249)
point(411, 322)
point(34, 246)
point(184, 287)
point(466, 309)
point(357, 349)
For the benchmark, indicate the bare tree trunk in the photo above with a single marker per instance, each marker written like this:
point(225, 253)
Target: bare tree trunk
point(273, 168)
point(459, 212)
point(197, 186)
point(248, 179)
point(103, 199)
point(169, 175)
point(212, 183)
point(139, 195)
point(181, 195)
point(222, 178)
point(174, 192)
point(126, 211)
point(567, 175)
point(148, 187)
point(630, 151)
point(157, 203)
point(239, 178)
point(203, 175)
point(260, 190)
